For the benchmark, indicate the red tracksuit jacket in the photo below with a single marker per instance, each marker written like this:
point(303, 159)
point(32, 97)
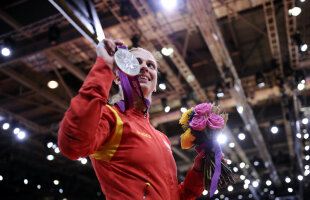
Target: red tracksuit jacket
point(132, 160)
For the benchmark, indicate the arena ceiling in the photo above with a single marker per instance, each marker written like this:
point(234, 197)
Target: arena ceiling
point(228, 45)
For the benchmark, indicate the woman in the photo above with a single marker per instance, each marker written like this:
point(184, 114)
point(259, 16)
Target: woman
point(132, 160)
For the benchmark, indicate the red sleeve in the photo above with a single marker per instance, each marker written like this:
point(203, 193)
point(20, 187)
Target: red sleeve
point(192, 186)
point(88, 122)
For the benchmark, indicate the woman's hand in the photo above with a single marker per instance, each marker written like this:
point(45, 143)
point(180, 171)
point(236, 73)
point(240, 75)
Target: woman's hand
point(106, 50)
point(198, 161)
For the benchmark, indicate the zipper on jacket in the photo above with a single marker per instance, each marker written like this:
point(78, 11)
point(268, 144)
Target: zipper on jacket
point(146, 190)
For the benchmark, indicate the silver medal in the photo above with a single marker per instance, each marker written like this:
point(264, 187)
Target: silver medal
point(127, 62)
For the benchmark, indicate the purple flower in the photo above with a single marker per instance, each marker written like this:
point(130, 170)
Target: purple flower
point(215, 121)
point(198, 123)
point(203, 109)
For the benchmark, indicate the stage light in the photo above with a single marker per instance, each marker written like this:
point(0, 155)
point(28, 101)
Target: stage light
point(240, 109)
point(52, 84)
point(5, 51)
point(222, 196)
point(256, 163)
point(287, 179)
point(61, 191)
point(205, 192)
point(164, 104)
point(50, 157)
point(300, 177)
point(230, 188)
point(183, 109)
point(242, 165)
point(231, 145)
point(306, 173)
point(57, 150)
point(305, 121)
point(235, 169)
point(83, 161)
point(255, 184)
point(300, 86)
point(245, 186)
point(6, 126)
point(21, 135)
point(50, 144)
point(260, 79)
point(16, 131)
point(241, 136)
point(221, 138)
point(169, 4)
point(25, 181)
point(1, 178)
point(304, 47)
point(290, 190)
point(39, 187)
point(167, 109)
point(219, 90)
point(162, 86)
point(167, 51)
point(268, 182)
point(294, 11)
point(228, 162)
point(274, 129)
point(6, 48)
point(247, 181)
point(306, 135)
point(306, 167)
point(242, 177)
point(271, 192)
point(54, 146)
point(307, 157)
point(298, 135)
point(307, 148)
point(240, 196)
point(56, 182)
point(184, 105)
point(216, 192)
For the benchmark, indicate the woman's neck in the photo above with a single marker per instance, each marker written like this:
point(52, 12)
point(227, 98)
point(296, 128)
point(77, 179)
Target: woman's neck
point(140, 104)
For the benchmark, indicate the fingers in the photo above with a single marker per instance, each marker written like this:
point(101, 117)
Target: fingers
point(118, 42)
point(110, 45)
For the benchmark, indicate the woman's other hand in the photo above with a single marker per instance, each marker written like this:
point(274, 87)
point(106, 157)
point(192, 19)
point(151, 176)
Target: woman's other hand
point(106, 49)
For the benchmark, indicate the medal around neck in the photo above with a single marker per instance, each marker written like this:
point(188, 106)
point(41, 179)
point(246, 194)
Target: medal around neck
point(127, 62)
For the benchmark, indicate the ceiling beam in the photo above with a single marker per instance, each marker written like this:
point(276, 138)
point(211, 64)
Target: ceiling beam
point(206, 21)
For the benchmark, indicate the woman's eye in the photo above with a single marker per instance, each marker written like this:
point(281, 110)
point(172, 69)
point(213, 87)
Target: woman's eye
point(151, 65)
point(139, 60)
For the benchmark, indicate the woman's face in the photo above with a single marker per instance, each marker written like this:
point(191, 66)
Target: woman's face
point(148, 71)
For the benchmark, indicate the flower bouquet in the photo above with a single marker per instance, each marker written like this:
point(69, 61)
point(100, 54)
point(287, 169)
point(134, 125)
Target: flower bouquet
point(202, 125)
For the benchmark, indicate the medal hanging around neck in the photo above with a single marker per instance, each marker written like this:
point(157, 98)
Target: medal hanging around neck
point(128, 69)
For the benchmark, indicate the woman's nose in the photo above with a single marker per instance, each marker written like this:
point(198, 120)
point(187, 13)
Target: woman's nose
point(143, 67)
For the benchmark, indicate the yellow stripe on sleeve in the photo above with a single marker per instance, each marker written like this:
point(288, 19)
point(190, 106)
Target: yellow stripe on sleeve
point(106, 151)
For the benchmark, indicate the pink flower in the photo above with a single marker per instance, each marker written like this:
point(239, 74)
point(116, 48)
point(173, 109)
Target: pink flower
point(203, 109)
point(215, 121)
point(198, 123)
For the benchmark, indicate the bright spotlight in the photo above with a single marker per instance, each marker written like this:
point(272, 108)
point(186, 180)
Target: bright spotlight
point(290, 190)
point(307, 157)
point(305, 121)
point(5, 126)
point(216, 192)
point(56, 182)
point(167, 109)
point(5, 51)
point(162, 86)
point(241, 136)
point(242, 165)
point(83, 161)
point(52, 84)
point(221, 138)
point(300, 86)
point(21, 135)
point(300, 177)
point(228, 162)
point(298, 135)
point(50, 144)
point(304, 47)
point(16, 131)
point(294, 11)
point(25, 181)
point(183, 109)
point(307, 148)
point(61, 191)
point(39, 187)
point(235, 169)
point(169, 4)
point(57, 150)
point(256, 163)
point(1, 178)
point(242, 177)
point(50, 157)
point(268, 182)
point(247, 181)
point(245, 186)
point(306, 136)
point(230, 188)
point(167, 51)
point(306, 166)
point(287, 179)
point(307, 172)
point(274, 129)
point(255, 184)
point(240, 196)
point(205, 192)
point(231, 145)
point(240, 109)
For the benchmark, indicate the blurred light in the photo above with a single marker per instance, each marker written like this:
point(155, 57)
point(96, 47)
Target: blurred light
point(274, 129)
point(235, 169)
point(241, 136)
point(298, 135)
point(226, 198)
point(52, 84)
point(205, 192)
point(256, 163)
point(307, 148)
point(21, 135)
point(303, 81)
point(304, 47)
point(287, 179)
point(260, 85)
point(302, 0)
point(222, 196)
point(56, 182)
point(294, 11)
point(271, 192)
point(1, 178)
point(183, 109)
point(305, 121)
point(265, 190)
point(216, 192)
point(306, 166)
point(231, 145)
point(39, 187)
point(290, 190)
point(240, 196)
point(54, 146)
point(167, 51)
point(255, 184)
point(162, 86)
point(307, 157)
point(240, 109)
point(83, 161)
point(5, 51)
point(228, 162)
point(247, 181)
point(221, 138)
point(5, 126)
point(250, 196)
point(61, 191)
point(300, 86)
point(306, 173)
point(169, 4)
point(16, 131)
point(306, 136)
point(300, 177)
point(57, 150)
point(220, 94)
point(268, 182)
point(167, 109)
point(230, 188)
point(242, 177)
point(50, 144)
point(242, 165)
point(50, 157)
point(245, 186)
point(25, 181)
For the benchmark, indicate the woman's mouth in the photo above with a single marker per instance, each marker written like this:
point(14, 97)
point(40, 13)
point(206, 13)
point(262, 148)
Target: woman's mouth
point(143, 79)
